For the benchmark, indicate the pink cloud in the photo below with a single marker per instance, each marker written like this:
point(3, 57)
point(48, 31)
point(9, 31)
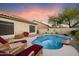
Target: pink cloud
point(38, 14)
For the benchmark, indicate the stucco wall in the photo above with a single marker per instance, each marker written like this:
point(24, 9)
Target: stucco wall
point(19, 27)
point(41, 26)
point(56, 30)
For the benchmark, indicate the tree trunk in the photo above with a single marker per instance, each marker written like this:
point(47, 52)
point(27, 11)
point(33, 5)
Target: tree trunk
point(75, 24)
point(69, 23)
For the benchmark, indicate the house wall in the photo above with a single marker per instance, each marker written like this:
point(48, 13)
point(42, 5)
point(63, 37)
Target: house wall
point(19, 27)
point(41, 26)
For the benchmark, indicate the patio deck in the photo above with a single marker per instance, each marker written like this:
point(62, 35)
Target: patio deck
point(66, 50)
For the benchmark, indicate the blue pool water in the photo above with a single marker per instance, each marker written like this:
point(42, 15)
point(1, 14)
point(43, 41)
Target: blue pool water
point(50, 41)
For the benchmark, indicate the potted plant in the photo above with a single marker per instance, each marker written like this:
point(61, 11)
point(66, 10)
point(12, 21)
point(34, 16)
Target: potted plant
point(25, 34)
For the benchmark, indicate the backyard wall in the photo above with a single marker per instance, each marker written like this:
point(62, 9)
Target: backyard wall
point(56, 30)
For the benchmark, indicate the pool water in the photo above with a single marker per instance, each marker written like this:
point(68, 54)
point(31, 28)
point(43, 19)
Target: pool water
point(50, 41)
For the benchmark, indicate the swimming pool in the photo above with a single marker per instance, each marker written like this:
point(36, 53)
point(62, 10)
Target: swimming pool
point(51, 41)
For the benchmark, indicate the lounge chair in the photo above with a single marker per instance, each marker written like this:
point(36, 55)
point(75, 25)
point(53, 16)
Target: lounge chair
point(12, 47)
point(34, 50)
point(19, 51)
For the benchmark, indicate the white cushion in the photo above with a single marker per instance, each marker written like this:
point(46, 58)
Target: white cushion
point(14, 45)
point(14, 40)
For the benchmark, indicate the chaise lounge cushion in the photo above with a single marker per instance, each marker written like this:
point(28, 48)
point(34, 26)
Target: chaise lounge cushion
point(3, 45)
point(12, 46)
point(35, 48)
point(17, 43)
point(2, 40)
point(5, 54)
point(17, 40)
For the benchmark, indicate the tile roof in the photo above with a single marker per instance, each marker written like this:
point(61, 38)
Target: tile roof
point(7, 15)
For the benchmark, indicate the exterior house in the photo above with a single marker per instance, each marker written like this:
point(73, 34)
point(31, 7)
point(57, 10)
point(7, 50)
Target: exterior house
point(41, 27)
point(11, 25)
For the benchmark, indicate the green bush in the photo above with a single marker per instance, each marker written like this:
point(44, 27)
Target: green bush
point(73, 32)
point(77, 36)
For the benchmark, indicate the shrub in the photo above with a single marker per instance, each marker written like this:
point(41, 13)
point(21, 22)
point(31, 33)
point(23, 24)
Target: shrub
point(56, 33)
point(77, 36)
point(73, 32)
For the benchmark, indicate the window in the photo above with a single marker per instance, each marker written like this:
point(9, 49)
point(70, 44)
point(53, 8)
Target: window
point(6, 28)
point(32, 28)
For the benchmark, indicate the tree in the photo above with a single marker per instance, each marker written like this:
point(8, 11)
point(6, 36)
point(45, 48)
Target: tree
point(67, 16)
point(53, 20)
point(56, 20)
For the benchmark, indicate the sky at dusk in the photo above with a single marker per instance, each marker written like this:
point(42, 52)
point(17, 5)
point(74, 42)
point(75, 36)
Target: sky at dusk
point(37, 11)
